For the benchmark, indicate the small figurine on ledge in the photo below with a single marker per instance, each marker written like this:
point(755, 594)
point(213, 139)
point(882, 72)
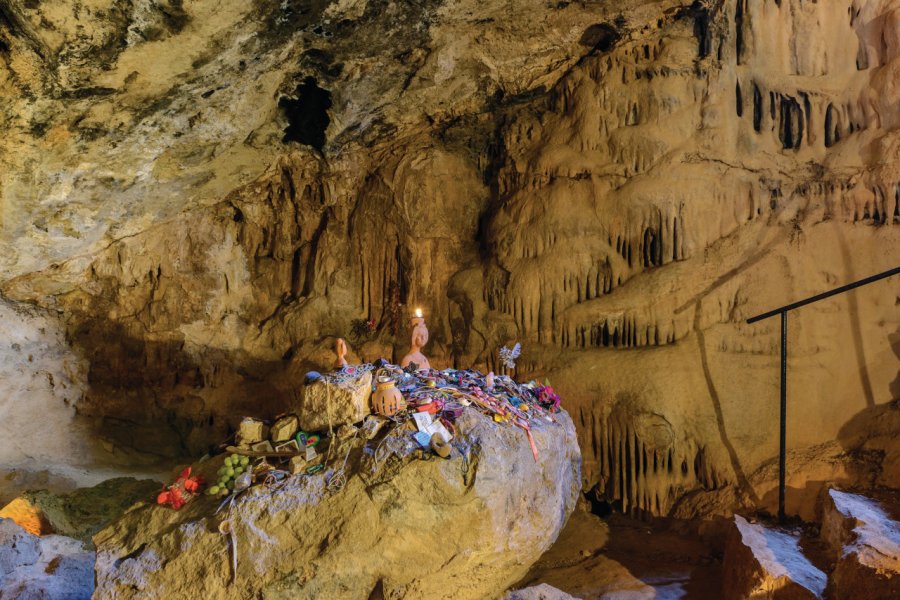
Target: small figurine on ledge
point(418, 341)
point(340, 348)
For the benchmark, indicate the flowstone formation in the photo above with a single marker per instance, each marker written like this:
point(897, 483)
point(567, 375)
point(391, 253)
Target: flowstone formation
point(199, 199)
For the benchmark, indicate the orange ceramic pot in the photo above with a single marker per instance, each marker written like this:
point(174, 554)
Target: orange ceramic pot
point(387, 399)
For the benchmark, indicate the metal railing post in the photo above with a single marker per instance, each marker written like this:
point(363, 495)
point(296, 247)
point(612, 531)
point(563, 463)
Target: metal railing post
point(782, 312)
point(782, 453)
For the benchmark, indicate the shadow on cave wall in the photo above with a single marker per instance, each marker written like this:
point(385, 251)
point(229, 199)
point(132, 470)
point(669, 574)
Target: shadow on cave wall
point(855, 327)
point(154, 397)
point(894, 340)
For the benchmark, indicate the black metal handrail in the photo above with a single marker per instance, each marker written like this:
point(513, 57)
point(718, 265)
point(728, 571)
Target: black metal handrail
point(783, 311)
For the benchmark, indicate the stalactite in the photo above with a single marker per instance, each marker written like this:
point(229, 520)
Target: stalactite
point(638, 476)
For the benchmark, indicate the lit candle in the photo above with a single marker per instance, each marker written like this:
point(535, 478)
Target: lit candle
point(418, 313)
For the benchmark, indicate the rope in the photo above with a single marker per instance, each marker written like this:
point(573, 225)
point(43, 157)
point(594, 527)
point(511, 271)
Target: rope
point(338, 478)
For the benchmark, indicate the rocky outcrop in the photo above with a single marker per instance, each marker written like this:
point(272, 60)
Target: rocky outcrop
point(466, 527)
point(51, 567)
point(865, 542)
point(761, 562)
point(81, 513)
point(200, 200)
point(538, 592)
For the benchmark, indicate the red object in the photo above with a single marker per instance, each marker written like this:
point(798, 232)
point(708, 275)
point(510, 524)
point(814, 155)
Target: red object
point(433, 407)
point(182, 491)
point(549, 398)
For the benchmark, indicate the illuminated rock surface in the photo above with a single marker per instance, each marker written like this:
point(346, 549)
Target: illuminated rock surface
point(197, 198)
point(456, 528)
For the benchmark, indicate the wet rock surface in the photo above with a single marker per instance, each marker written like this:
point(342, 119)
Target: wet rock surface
point(466, 527)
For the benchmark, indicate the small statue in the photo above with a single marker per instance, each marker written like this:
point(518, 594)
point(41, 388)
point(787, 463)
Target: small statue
point(340, 348)
point(418, 341)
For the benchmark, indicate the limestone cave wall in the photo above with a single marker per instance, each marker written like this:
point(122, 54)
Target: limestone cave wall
point(200, 198)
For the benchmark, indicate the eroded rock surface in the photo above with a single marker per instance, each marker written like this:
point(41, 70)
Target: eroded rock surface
point(51, 567)
point(761, 562)
point(865, 542)
point(467, 527)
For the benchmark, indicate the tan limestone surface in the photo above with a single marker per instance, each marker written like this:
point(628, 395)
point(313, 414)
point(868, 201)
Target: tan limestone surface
point(466, 527)
point(617, 186)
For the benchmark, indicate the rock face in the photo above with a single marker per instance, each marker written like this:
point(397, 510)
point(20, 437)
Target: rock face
point(866, 546)
point(83, 512)
point(467, 527)
point(763, 563)
point(51, 567)
point(200, 199)
point(327, 404)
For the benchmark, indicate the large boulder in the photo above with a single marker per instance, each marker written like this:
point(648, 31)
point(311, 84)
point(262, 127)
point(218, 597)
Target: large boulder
point(51, 567)
point(865, 543)
point(466, 527)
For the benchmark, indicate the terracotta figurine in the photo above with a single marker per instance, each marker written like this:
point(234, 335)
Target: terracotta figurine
point(418, 341)
point(340, 348)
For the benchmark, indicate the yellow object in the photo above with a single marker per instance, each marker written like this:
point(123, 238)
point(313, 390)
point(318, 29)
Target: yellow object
point(27, 516)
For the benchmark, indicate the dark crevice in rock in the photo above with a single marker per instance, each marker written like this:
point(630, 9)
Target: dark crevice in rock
point(832, 127)
point(757, 108)
point(790, 126)
point(701, 16)
point(601, 37)
point(307, 114)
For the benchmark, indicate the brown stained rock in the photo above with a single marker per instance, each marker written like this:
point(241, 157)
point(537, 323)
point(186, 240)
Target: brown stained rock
point(763, 563)
point(865, 543)
point(327, 405)
point(422, 528)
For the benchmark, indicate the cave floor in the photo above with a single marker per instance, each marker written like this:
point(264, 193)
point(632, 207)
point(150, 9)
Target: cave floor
point(618, 558)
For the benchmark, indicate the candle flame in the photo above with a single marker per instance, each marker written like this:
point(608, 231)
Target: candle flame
point(418, 313)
